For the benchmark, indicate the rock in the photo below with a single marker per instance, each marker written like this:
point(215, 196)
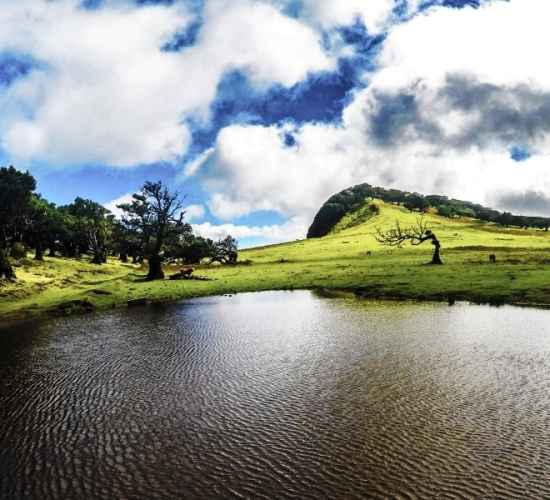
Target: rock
point(137, 302)
point(72, 307)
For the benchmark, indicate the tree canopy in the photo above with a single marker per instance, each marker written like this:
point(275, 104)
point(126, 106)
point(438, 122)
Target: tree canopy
point(152, 228)
point(351, 199)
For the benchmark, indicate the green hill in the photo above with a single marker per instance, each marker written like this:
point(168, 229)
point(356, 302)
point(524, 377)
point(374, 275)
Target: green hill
point(354, 200)
point(347, 259)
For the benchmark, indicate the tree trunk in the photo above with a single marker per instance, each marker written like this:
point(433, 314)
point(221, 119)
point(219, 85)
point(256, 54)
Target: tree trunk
point(123, 257)
point(52, 252)
point(436, 259)
point(39, 251)
point(98, 258)
point(6, 269)
point(155, 268)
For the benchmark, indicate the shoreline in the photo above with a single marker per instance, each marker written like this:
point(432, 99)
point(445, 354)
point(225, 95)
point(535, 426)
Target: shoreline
point(23, 316)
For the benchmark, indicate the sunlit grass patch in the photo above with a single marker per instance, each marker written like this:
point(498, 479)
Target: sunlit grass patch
point(350, 259)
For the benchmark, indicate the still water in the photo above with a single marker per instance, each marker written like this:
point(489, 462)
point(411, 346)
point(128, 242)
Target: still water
point(278, 395)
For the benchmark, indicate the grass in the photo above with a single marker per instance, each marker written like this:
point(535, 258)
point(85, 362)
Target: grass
point(348, 259)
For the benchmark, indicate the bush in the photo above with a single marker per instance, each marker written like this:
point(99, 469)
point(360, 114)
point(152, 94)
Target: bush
point(445, 211)
point(18, 251)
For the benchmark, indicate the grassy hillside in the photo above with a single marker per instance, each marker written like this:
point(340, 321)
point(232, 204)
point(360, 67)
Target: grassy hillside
point(340, 261)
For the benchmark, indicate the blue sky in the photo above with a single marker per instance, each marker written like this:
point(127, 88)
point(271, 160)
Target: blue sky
point(258, 110)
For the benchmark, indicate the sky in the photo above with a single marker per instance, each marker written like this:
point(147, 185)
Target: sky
point(257, 111)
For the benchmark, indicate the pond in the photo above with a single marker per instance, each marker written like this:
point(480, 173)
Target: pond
point(278, 395)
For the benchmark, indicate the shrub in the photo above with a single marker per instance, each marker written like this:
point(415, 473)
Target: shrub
point(18, 251)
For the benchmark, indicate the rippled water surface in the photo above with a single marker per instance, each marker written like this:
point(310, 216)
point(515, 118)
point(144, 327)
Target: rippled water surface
point(278, 395)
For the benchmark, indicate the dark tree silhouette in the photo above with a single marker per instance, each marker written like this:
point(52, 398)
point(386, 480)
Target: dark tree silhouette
point(15, 193)
point(416, 235)
point(224, 251)
point(155, 213)
point(41, 224)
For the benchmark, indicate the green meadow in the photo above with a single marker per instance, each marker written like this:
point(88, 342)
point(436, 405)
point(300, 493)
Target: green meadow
point(348, 259)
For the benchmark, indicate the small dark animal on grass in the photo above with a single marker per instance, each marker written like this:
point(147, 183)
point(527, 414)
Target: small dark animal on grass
point(493, 258)
point(369, 253)
point(186, 271)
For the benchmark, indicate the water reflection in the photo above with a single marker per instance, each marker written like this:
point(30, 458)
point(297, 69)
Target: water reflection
point(278, 395)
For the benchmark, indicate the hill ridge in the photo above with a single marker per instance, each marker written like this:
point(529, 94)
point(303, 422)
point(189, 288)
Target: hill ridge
point(354, 198)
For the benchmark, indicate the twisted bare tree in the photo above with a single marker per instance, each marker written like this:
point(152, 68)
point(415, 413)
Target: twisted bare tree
point(416, 235)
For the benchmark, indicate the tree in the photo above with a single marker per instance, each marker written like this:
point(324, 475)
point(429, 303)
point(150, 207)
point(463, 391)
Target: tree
point(122, 240)
point(197, 249)
point(416, 235)
point(224, 251)
point(43, 222)
point(445, 211)
point(416, 202)
point(505, 219)
point(154, 214)
point(16, 189)
point(92, 227)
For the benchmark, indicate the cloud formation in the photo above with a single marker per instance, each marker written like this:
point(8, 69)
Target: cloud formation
point(292, 229)
point(447, 101)
point(461, 114)
point(105, 92)
point(440, 114)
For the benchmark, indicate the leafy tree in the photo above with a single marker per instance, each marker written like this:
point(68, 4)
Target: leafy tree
point(445, 211)
point(466, 212)
point(43, 221)
point(506, 219)
point(154, 215)
point(196, 250)
point(416, 202)
point(178, 242)
point(92, 226)
point(336, 207)
point(225, 251)
point(122, 240)
point(416, 235)
point(16, 189)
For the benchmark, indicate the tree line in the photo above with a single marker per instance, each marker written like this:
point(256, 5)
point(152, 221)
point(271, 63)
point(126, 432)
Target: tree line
point(351, 199)
point(152, 228)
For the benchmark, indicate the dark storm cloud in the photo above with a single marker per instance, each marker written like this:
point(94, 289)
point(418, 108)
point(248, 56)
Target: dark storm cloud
point(505, 115)
point(528, 203)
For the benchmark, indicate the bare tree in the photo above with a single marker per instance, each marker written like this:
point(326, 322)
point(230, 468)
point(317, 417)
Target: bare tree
point(416, 235)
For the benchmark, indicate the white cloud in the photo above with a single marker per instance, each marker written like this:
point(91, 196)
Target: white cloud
point(97, 95)
point(112, 205)
point(442, 137)
point(294, 228)
point(194, 213)
point(501, 43)
point(256, 171)
point(196, 164)
point(330, 13)
point(106, 93)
